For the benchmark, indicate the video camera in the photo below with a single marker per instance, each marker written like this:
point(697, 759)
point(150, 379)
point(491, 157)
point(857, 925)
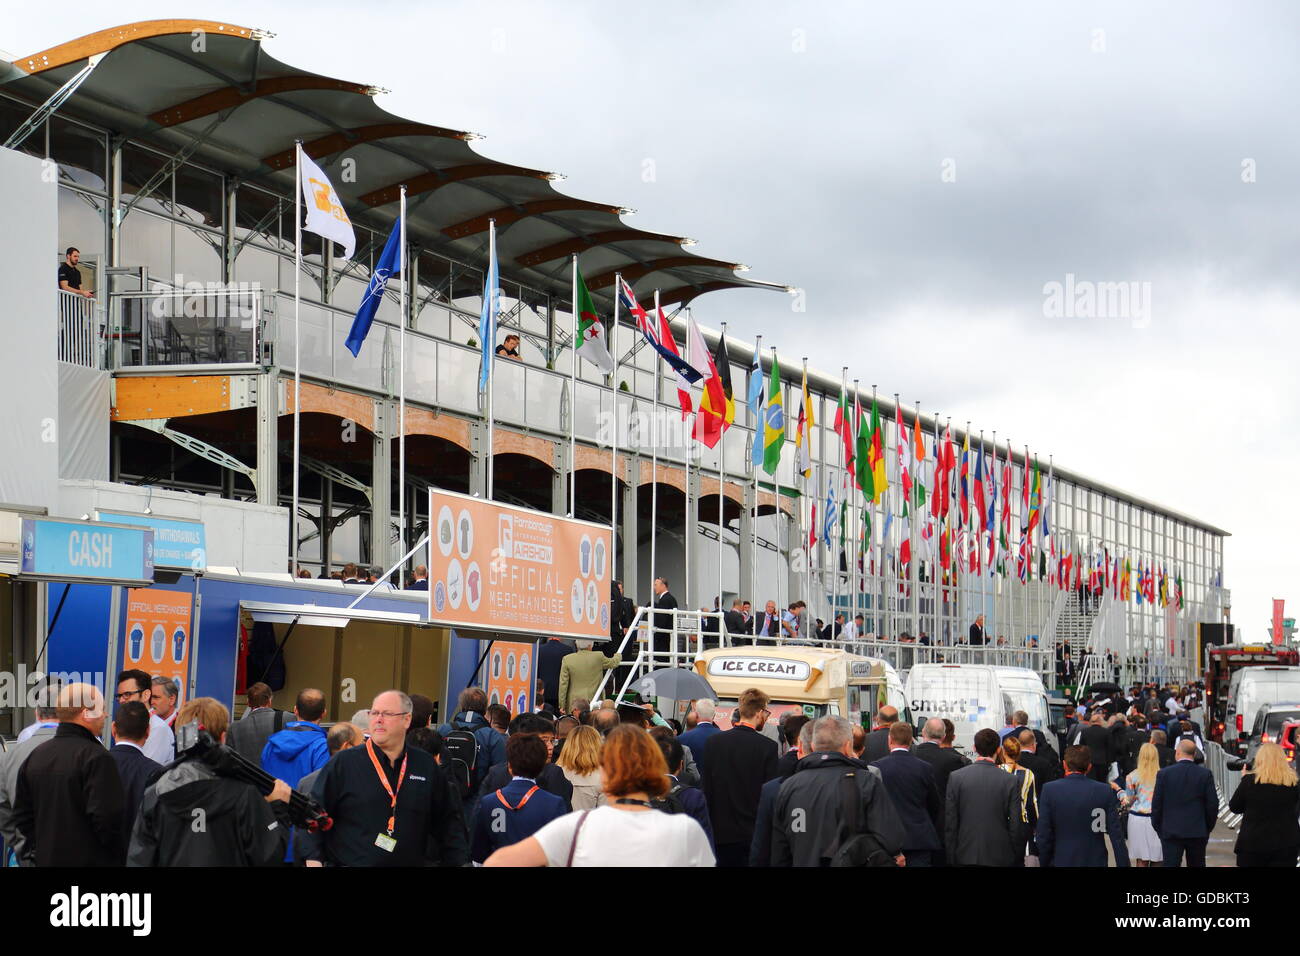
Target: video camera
point(194, 742)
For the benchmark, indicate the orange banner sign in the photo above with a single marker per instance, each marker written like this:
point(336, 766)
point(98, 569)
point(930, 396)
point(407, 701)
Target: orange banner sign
point(495, 567)
point(510, 676)
point(158, 634)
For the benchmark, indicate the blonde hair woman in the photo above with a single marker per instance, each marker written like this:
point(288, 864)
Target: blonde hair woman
point(1010, 752)
point(1269, 802)
point(580, 760)
point(1139, 789)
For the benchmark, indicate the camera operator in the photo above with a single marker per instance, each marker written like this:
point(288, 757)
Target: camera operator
point(194, 816)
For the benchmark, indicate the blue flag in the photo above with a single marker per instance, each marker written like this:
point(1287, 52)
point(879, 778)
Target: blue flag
point(828, 527)
point(755, 399)
point(487, 321)
point(390, 263)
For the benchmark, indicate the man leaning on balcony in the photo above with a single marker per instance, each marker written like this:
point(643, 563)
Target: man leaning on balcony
point(70, 275)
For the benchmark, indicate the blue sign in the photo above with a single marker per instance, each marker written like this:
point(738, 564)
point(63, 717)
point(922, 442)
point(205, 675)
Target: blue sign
point(176, 543)
point(86, 551)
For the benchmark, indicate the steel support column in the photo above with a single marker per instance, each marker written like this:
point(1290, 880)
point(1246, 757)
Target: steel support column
point(381, 484)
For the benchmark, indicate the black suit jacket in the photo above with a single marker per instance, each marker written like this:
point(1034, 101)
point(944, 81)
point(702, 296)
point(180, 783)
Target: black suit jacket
point(1185, 804)
point(1100, 741)
point(976, 635)
point(664, 622)
point(1269, 813)
point(1045, 769)
point(943, 761)
point(909, 781)
point(739, 761)
point(549, 658)
point(765, 626)
point(877, 745)
point(137, 772)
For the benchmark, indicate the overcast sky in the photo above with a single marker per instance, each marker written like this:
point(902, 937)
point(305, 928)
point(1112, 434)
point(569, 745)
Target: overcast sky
point(921, 171)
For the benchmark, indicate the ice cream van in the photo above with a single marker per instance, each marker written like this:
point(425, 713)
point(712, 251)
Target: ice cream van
point(811, 680)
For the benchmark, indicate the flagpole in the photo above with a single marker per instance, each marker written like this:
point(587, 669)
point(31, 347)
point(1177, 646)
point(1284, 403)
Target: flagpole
point(993, 530)
point(654, 463)
point(688, 526)
point(613, 445)
point(492, 359)
point(573, 398)
point(759, 418)
point(835, 551)
point(297, 356)
point(856, 567)
point(401, 394)
point(804, 515)
point(776, 509)
point(913, 519)
point(983, 522)
point(879, 612)
point(722, 459)
point(936, 533)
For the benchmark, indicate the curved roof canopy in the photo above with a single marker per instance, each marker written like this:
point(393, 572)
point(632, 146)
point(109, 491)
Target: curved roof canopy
point(248, 109)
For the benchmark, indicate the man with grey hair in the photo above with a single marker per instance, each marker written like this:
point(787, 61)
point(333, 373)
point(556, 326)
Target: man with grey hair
point(942, 760)
point(12, 761)
point(362, 719)
point(581, 671)
point(604, 720)
point(391, 804)
point(163, 693)
point(808, 822)
point(705, 729)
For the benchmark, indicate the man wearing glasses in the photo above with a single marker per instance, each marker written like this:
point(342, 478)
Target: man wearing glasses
point(160, 745)
point(391, 804)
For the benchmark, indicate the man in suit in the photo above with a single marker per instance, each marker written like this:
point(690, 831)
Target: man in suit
point(1045, 766)
point(877, 744)
point(983, 825)
point(977, 638)
point(12, 760)
point(1134, 737)
point(130, 731)
point(1160, 740)
point(767, 624)
point(942, 760)
point(1184, 808)
point(909, 781)
point(697, 738)
point(549, 657)
point(580, 673)
point(249, 734)
point(1070, 813)
point(1020, 722)
point(737, 764)
point(421, 582)
point(662, 638)
point(621, 614)
point(734, 620)
point(1099, 740)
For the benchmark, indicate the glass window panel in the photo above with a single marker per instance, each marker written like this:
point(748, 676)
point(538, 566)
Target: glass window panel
point(81, 224)
point(139, 166)
point(80, 152)
point(200, 196)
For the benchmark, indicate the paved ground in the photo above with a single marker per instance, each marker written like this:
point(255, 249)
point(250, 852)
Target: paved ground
point(1218, 853)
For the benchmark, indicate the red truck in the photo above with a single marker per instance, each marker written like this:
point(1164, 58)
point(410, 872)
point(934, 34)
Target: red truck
point(1224, 660)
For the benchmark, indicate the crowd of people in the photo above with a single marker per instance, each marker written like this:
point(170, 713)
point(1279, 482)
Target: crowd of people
point(615, 782)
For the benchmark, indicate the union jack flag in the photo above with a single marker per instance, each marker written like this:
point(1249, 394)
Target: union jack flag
point(658, 334)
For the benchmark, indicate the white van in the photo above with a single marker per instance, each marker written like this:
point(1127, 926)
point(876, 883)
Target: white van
point(969, 695)
point(1251, 688)
point(1026, 690)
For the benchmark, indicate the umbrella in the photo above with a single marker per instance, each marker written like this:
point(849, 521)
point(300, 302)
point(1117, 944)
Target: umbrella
point(1103, 687)
point(674, 683)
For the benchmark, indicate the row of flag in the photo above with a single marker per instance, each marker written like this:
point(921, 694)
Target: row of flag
point(965, 513)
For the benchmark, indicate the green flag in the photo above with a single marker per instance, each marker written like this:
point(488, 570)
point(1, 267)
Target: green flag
point(773, 421)
point(590, 334)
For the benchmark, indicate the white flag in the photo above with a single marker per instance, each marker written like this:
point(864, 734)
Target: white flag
point(326, 216)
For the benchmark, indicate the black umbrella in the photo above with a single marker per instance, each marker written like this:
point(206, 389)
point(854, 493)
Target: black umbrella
point(1103, 687)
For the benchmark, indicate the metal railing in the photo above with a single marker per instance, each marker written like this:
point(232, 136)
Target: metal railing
point(81, 333)
point(1225, 781)
point(162, 329)
point(690, 632)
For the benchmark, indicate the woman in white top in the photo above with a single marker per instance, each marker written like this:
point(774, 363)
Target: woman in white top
point(580, 760)
point(627, 830)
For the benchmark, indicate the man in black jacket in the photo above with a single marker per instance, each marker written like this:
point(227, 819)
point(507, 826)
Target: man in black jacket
point(194, 816)
point(662, 638)
point(909, 781)
point(810, 806)
point(1098, 738)
point(943, 760)
point(131, 730)
point(877, 744)
point(1046, 767)
point(734, 622)
point(1184, 808)
point(391, 803)
point(68, 802)
point(739, 761)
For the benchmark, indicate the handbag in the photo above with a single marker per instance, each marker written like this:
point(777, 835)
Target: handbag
point(851, 847)
point(573, 844)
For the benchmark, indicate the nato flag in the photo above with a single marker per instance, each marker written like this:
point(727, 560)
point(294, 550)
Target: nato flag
point(389, 264)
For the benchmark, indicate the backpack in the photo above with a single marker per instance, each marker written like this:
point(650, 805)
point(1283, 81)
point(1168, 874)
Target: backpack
point(1189, 735)
point(670, 802)
point(462, 748)
point(850, 846)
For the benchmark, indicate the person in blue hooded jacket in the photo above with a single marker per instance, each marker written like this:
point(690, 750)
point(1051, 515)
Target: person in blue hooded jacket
point(300, 748)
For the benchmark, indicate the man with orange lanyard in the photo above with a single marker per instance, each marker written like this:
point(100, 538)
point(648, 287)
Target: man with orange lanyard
point(391, 804)
point(520, 808)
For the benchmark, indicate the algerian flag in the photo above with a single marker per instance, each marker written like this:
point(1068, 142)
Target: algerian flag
point(326, 216)
point(590, 334)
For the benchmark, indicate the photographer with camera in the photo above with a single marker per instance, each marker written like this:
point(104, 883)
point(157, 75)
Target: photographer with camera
point(200, 812)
